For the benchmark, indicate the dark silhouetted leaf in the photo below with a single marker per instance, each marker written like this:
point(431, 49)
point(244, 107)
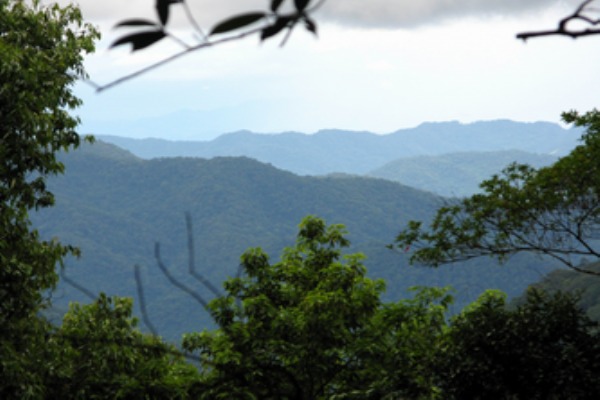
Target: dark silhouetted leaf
point(275, 4)
point(301, 4)
point(310, 25)
point(135, 22)
point(237, 22)
point(140, 40)
point(278, 26)
point(162, 7)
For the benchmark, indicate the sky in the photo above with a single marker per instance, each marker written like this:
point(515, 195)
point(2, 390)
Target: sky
point(376, 65)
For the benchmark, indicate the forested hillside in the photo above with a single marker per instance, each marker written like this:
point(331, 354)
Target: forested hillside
point(115, 207)
point(584, 286)
point(456, 174)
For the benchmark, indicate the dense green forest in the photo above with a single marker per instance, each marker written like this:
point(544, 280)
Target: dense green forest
point(299, 320)
point(115, 207)
point(456, 174)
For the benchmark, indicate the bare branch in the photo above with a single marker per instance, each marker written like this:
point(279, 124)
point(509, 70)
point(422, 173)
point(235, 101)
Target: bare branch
point(175, 282)
point(562, 28)
point(192, 263)
point(142, 299)
point(77, 286)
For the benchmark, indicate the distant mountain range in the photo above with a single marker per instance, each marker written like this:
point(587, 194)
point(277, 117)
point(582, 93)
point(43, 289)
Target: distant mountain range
point(116, 206)
point(335, 151)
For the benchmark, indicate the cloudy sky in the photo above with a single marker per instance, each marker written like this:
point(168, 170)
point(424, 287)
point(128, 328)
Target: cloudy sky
point(377, 65)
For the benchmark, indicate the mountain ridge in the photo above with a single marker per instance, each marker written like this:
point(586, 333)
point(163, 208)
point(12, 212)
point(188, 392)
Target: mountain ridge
point(116, 208)
point(358, 152)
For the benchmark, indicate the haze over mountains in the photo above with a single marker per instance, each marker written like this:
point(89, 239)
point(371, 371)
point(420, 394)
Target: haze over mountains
point(332, 151)
point(116, 206)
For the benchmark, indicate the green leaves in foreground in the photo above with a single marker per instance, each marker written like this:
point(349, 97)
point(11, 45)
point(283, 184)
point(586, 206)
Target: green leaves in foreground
point(554, 211)
point(312, 326)
point(266, 24)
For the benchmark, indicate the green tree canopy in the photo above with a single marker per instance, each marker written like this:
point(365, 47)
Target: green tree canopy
point(42, 53)
point(312, 326)
point(289, 330)
point(553, 211)
point(545, 348)
point(100, 354)
point(42, 49)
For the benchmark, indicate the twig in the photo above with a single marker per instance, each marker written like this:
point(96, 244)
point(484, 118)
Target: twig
point(562, 29)
point(192, 262)
point(140, 290)
point(193, 21)
point(77, 286)
point(100, 88)
point(174, 281)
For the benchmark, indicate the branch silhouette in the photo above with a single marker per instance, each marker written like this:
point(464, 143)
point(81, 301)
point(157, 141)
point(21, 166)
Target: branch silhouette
point(174, 281)
point(582, 14)
point(77, 286)
point(192, 262)
point(270, 23)
point(142, 300)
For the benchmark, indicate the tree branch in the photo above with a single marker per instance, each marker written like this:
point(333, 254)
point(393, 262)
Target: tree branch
point(563, 30)
point(142, 299)
point(192, 263)
point(175, 282)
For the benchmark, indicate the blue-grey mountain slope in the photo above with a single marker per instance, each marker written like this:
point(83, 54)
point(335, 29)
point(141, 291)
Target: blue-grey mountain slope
point(330, 151)
point(456, 174)
point(115, 207)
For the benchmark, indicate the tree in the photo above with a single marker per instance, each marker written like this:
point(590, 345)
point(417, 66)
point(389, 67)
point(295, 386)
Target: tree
point(312, 326)
point(545, 348)
point(553, 211)
point(99, 354)
point(42, 53)
point(289, 330)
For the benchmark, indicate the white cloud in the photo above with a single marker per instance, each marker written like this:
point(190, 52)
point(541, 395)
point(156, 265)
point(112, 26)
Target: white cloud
point(410, 13)
point(380, 13)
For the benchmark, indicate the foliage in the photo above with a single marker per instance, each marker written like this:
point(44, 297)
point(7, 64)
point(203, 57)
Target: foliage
point(267, 24)
point(41, 58)
point(115, 207)
point(101, 355)
point(42, 53)
point(401, 352)
point(546, 348)
point(554, 211)
point(312, 326)
point(289, 330)
point(585, 287)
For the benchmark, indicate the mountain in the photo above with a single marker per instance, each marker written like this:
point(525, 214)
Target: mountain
point(586, 286)
point(331, 151)
point(456, 174)
point(115, 207)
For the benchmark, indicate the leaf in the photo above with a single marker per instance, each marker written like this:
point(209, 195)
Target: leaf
point(237, 22)
point(310, 25)
point(135, 22)
point(162, 7)
point(140, 40)
point(301, 4)
point(275, 4)
point(278, 26)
